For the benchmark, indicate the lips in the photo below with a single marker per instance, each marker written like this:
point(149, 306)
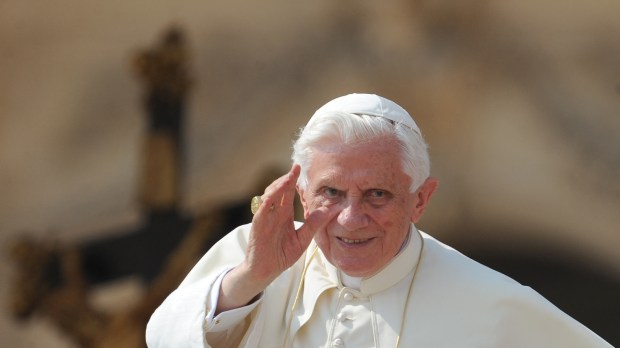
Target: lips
point(353, 241)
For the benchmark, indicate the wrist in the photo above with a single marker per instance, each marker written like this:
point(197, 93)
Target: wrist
point(239, 288)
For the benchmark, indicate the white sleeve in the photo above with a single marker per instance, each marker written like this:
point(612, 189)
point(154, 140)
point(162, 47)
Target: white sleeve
point(229, 319)
point(179, 321)
point(184, 317)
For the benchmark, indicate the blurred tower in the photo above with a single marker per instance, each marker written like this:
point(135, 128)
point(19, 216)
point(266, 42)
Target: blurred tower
point(163, 69)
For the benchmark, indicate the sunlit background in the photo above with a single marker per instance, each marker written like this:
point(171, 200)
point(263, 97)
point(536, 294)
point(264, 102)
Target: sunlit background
point(519, 101)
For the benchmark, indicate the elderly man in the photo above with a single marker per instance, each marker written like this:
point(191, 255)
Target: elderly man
point(357, 273)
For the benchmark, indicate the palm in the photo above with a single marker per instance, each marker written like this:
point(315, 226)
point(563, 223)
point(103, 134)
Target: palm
point(274, 243)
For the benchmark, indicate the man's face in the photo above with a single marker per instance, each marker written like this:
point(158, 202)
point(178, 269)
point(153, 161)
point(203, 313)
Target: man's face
point(369, 194)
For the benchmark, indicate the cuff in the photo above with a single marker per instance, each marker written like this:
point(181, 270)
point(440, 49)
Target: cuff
point(228, 319)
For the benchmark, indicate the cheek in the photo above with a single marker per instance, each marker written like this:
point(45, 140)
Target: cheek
point(388, 224)
point(405, 210)
point(321, 202)
point(393, 223)
point(388, 218)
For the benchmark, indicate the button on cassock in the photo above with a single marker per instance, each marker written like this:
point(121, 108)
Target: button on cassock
point(338, 342)
point(348, 296)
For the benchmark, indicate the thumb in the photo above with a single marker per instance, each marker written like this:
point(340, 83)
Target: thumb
point(316, 221)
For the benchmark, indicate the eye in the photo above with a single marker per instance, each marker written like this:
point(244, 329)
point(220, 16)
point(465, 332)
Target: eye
point(327, 196)
point(378, 197)
point(331, 192)
point(376, 193)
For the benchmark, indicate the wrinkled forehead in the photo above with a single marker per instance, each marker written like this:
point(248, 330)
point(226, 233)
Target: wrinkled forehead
point(371, 165)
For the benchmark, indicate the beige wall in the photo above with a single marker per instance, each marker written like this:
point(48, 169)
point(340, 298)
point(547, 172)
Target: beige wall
point(519, 102)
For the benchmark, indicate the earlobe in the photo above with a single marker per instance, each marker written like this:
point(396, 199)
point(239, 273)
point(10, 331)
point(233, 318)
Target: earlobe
point(423, 196)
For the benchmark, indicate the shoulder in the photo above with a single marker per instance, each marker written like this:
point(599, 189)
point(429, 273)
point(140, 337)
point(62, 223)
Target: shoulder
point(440, 262)
point(454, 279)
point(470, 297)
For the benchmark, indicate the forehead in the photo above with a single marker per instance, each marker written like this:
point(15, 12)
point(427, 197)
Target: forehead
point(375, 163)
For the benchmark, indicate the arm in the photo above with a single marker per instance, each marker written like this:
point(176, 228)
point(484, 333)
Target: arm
point(273, 246)
point(181, 320)
point(257, 257)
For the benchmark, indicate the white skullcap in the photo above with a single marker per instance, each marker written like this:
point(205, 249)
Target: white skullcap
point(368, 104)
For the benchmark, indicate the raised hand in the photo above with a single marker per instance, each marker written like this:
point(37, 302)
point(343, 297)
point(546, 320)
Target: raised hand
point(274, 243)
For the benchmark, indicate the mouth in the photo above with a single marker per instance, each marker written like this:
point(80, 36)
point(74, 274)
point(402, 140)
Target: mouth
point(354, 241)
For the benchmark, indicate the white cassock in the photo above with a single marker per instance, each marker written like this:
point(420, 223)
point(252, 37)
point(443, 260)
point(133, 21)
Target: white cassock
point(449, 301)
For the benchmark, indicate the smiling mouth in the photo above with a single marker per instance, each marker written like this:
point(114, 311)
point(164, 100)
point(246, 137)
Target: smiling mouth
point(353, 241)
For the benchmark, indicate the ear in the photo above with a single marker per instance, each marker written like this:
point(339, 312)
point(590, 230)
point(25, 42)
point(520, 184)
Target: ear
point(304, 202)
point(423, 196)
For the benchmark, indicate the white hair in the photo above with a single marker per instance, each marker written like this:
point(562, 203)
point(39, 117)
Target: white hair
point(346, 128)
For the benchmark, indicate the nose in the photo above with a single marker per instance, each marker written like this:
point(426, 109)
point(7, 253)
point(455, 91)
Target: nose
point(352, 216)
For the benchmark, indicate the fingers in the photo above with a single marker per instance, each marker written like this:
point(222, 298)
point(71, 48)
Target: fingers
point(288, 197)
point(280, 194)
point(316, 221)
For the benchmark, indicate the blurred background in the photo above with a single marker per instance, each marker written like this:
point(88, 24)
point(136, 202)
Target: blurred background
point(132, 135)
